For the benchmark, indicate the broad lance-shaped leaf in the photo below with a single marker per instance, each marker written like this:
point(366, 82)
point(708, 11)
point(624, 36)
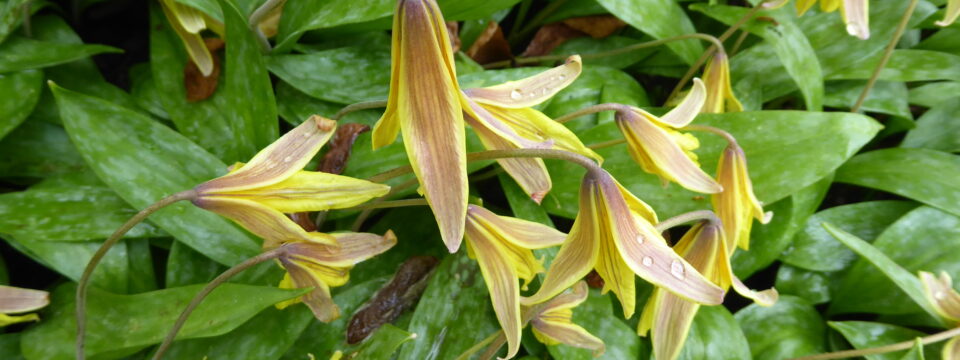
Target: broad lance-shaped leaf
point(20, 91)
point(865, 334)
point(144, 161)
point(118, 323)
point(265, 336)
point(22, 53)
point(660, 19)
point(789, 329)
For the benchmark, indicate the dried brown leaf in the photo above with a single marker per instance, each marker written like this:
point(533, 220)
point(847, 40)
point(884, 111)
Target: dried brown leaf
point(597, 26)
point(335, 160)
point(548, 37)
point(201, 87)
point(490, 46)
point(398, 295)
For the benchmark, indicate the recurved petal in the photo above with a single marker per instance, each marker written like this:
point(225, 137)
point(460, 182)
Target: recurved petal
point(567, 300)
point(530, 91)
point(196, 48)
point(658, 153)
point(553, 331)
point(942, 296)
point(671, 318)
point(273, 226)
point(688, 109)
point(534, 125)
point(530, 173)
point(522, 233)
point(278, 161)
point(952, 13)
point(17, 300)
point(500, 275)
point(856, 15)
point(318, 300)
point(353, 248)
point(313, 191)
point(189, 18)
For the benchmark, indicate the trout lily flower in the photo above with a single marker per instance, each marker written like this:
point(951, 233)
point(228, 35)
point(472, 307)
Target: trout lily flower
point(660, 149)
point(256, 195)
point(856, 14)
point(188, 22)
point(669, 316)
point(14, 300)
point(426, 105)
point(953, 12)
point(503, 118)
point(321, 266)
point(716, 77)
point(946, 302)
point(614, 234)
point(736, 205)
point(501, 245)
point(552, 323)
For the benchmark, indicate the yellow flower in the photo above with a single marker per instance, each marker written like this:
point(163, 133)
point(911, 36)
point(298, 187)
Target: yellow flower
point(503, 118)
point(946, 301)
point(953, 11)
point(15, 300)
point(257, 194)
point(425, 104)
point(660, 149)
point(856, 14)
point(736, 205)
point(188, 22)
point(552, 324)
point(669, 316)
point(613, 233)
point(502, 246)
point(716, 77)
point(322, 267)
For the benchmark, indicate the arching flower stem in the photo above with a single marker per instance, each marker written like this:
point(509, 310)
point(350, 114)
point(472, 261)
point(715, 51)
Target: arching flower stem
point(698, 215)
point(884, 349)
point(376, 104)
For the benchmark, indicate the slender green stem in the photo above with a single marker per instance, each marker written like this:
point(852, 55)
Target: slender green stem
point(884, 349)
point(688, 217)
point(591, 110)
point(710, 129)
point(739, 42)
point(625, 49)
point(500, 154)
point(258, 15)
point(81, 296)
point(387, 204)
point(226, 275)
point(27, 25)
point(607, 143)
point(358, 223)
point(359, 106)
point(901, 27)
point(487, 174)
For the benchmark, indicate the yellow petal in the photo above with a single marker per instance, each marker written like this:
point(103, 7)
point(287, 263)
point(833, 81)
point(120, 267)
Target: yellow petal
point(10, 319)
point(353, 248)
point(554, 325)
point(688, 109)
point(530, 173)
point(567, 300)
point(830, 5)
point(720, 97)
point(940, 294)
point(637, 206)
point(804, 5)
point(501, 279)
point(522, 233)
point(278, 161)
point(189, 18)
point(534, 125)
point(951, 350)
point(196, 48)
point(273, 226)
point(313, 191)
point(856, 15)
point(530, 91)
point(736, 205)
point(16, 300)
point(952, 12)
point(318, 299)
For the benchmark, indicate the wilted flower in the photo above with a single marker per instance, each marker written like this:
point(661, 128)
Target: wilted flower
point(188, 22)
point(716, 76)
point(503, 118)
point(613, 233)
point(856, 14)
point(14, 300)
point(953, 11)
point(321, 266)
point(426, 105)
point(660, 149)
point(502, 247)
point(946, 301)
point(553, 324)
point(736, 205)
point(257, 194)
point(670, 316)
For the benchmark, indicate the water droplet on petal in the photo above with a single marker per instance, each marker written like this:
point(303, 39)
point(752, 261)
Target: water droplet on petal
point(677, 270)
point(940, 295)
point(287, 159)
point(307, 134)
point(515, 94)
point(647, 261)
point(639, 239)
point(562, 77)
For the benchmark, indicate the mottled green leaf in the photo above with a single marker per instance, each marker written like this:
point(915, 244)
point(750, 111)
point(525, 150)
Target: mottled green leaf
point(382, 344)
point(714, 332)
point(185, 266)
point(20, 53)
point(144, 90)
point(790, 328)
point(345, 75)
point(70, 258)
point(886, 97)
point(38, 149)
point(10, 346)
point(264, 337)
point(660, 19)
point(865, 334)
point(934, 93)
point(19, 92)
point(598, 317)
point(813, 286)
point(907, 65)
point(938, 128)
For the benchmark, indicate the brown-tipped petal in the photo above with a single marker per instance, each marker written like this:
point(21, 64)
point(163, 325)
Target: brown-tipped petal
point(313, 191)
point(273, 226)
point(522, 233)
point(716, 77)
point(689, 107)
point(530, 173)
point(196, 48)
point(941, 295)
point(529, 91)
point(646, 252)
point(567, 300)
point(856, 15)
point(17, 300)
point(671, 318)
point(532, 124)
point(952, 13)
point(318, 300)
point(278, 161)
point(556, 327)
point(658, 153)
point(501, 278)
point(353, 248)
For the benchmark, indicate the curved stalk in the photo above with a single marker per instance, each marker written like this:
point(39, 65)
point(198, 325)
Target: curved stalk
point(687, 217)
point(501, 154)
point(884, 349)
point(710, 129)
point(359, 106)
point(887, 52)
point(591, 110)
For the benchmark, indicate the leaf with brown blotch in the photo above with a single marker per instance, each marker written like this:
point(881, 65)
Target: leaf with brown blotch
point(201, 87)
point(549, 37)
point(490, 46)
point(597, 26)
point(398, 295)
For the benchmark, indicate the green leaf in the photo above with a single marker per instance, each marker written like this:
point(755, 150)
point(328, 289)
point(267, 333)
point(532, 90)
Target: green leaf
point(117, 323)
point(660, 19)
point(905, 280)
point(790, 328)
point(715, 331)
point(38, 149)
point(294, 106)
point(937, 128)
point(865, 334)
point(589, 45)
point(143, 162)
point(266, 336)
point(185, 266)
point(10, 346)
point(896, 171)
point(456, 295)
point(813, 286)
point(70, 258)
point(907, 65)
point(142, 277)
point(345, 75)
point(886, 97)
point(144, 90)
point(74, 207)
point(923, 239)
point(786, 151)
point(932, 94)
point(382, 344)
point(22, 53)
point(597, 316)
point(916, 352)
point(594, 86)
point(814, 248)
point(19, 93)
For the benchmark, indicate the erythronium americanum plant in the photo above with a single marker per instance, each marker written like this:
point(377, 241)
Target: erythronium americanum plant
point(612, 170)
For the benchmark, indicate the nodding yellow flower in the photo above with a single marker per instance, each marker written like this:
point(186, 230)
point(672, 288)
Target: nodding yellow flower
point(946, 301)
point(552, 323)
point(856, 14)
point(14, 300)
point(953, 12)
point(322, 267)
point(503, 118)
point(188, 22)
point(736, 205)
point(502, 247)
point(669, 316)
point(716, 77)
point(426, 105)
point(613, 233)
point(257, 194)
point(655, 144)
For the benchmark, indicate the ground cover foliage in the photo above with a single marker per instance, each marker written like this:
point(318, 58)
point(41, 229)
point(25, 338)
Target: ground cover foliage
point(850, 140)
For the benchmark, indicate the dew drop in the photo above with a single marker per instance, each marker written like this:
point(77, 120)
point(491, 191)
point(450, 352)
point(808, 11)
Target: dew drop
point(647, 261)
point(940, 295)
point(307, 134)
point(562, 77)
point(287, 159)
point(532, 95)
point(640, 239)
point(515, 94)
point(553, 78)
point(677, 270)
